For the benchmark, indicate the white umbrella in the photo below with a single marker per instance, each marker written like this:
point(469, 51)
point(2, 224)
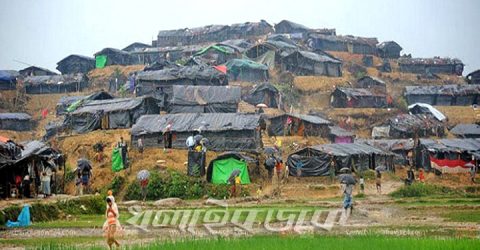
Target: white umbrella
point(262, 105)
point(143, 175)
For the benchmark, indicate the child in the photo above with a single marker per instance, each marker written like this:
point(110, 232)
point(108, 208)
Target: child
point(111, 224)
point(362, 185)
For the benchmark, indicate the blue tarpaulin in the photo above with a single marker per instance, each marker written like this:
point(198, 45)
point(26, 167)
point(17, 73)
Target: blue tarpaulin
point(23, 219)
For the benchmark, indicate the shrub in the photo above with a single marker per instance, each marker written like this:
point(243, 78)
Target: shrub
point(83, 205)
point(116, 185)
point(133, 192)
point(422, 190)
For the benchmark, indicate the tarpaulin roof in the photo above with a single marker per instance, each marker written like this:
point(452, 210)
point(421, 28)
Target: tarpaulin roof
point(345, 149)
point(466, 129)
point(87, 58)
point(389, 145)
point(220, 48)
point(67, 100)
point(110, 105)
point(111, 50)
point(238, 64)
point(8, 75)
point(309, 118)
point(430, 61)
point(388, 43)
point(359, 92)
point(371, 41)
point(186, 48)
point(338, 131)
point(407, 122)
point(435, 112)
point(191, 122)
point(294, 25)
point(203, 95)
point(264, 86)
point(374, 78)
point(239, 44)
point(443, 90)
point(15, 116)
point(193, 31)
point(190, 72)
point(316, 57)
point(47, 71)
point(32, 148)
point(56, 79)
point(136, 46)
point(451, 145)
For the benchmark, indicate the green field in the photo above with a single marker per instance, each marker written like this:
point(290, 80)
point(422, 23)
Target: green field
point(275, 242)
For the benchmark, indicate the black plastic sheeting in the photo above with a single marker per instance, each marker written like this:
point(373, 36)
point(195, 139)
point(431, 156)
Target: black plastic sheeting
point(264, 93)
point(205, 99)
point(15, 121)
point(225, 131)
point(312, 125)
point(354, 156)
point(116, 113)
point(55, 84)
point(309, 162)
point(196, 163)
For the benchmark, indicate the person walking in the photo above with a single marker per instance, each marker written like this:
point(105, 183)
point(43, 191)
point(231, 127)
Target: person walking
point(378, 181)
point(140, 145)
point(362, 184)
point(473, 172)
point(111, 224)
point(331, 170)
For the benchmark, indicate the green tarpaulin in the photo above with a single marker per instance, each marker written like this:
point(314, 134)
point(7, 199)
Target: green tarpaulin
point(223, 168)
point(74, 106)
point(100, 61)
point(218, 48)
point(117, 163)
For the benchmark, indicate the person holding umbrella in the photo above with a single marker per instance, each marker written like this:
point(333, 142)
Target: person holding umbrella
point(348, 182)
point(142, 177)
point(378, 180)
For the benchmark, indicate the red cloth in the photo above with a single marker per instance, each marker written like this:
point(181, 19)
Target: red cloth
point(221, 68)
point(44, 113)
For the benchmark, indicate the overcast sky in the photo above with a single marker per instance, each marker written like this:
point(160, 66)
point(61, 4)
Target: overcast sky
point(42, 32)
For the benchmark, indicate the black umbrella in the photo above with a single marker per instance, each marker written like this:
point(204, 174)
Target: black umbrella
point(197, 138)
point(269, 151)
point(83, 163)
point(345, 170)
point(204, 141)
point(347, 179)
point(235, 173)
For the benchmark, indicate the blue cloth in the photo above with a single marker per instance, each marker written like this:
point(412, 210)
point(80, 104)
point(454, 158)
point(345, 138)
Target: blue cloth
point(23, 219)
point(347, 201)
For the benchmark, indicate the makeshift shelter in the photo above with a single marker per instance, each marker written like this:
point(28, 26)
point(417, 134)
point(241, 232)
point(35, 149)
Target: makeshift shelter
point(136, 46)
point(298, 124)
point(340, 135)
point(111, 56)
point(53, 128)
point(246, 70)
point(389, 49)
point(35, 157)
point(220, 168)
point(434, 65)
point(15, 121)
point(55, 84)
point(225, 131)
point(310, 63)
point(216, 54)
point(8, 79)
point(149, 56)
point(351, 44)
point(466, 130)
point(423, 108)
point(269, 52)
point(159, 83)
point(36, 71)
point(110, 114)
point(66, 101)
point(316, 160)
point(281, 38)
point(443, 95)
point(400, 147)
point(372, 83)
point(474, 77)
point(74, 64)
point(447, 155)
point(357, 98)
point(411, 126)
point(264, 93)
point(204, 99)
point(239, 44)
point(289, 27)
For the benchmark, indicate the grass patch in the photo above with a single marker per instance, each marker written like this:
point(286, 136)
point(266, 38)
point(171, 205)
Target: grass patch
point(49, 242)
point(316, 242)
point(423, 190)
point(463, 216)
